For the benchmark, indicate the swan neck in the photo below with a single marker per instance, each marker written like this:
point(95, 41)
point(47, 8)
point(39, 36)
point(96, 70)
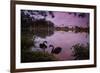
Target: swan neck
point(44, 42)
point(52, 47)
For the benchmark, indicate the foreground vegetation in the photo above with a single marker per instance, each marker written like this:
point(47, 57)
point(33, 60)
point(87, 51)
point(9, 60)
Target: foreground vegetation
point(36, 56)
point(80, 52)
point(33, 56)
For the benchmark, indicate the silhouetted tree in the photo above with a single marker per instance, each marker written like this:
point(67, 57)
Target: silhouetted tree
point(81, 15)
point(35, 17)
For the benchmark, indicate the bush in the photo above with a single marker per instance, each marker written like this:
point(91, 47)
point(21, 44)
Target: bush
point(80, 52)
point(26, 43)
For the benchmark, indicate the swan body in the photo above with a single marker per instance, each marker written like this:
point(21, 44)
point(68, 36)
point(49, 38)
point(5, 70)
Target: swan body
point(43, 45)
point(56, 50)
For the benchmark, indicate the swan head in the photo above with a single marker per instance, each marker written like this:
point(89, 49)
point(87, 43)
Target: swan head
point(45, 42)
point(51, 46)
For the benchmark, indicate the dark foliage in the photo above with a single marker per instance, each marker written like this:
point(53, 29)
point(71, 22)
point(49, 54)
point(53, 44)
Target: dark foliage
point(81, 15)
point(26, 43)
point(36, 57)
point(80, 52)
point(31, 21)
point(29, 16)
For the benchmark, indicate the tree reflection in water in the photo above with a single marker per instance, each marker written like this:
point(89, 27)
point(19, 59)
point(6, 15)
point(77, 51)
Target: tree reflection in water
point(36, 29)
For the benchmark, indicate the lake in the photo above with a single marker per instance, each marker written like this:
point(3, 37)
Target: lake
point(63, 39)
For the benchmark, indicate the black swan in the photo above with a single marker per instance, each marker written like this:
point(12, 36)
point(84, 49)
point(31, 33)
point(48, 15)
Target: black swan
point(56, 50)
point(43, 45)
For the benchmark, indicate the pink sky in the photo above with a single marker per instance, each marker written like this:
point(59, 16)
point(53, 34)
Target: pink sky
point(65, 19)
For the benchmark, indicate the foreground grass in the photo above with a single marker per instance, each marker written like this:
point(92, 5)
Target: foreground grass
point(36, 56)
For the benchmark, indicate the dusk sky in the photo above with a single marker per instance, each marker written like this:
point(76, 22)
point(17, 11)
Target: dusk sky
point(66, 19)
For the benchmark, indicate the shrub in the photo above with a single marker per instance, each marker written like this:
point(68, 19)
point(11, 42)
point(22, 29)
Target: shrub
point(80, 52)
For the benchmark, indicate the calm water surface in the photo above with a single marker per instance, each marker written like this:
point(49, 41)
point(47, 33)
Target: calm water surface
point(62, 39)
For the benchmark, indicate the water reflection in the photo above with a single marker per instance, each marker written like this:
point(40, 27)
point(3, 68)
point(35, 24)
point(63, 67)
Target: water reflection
point(63, 39)
point(43, 33)
point(53, 39)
